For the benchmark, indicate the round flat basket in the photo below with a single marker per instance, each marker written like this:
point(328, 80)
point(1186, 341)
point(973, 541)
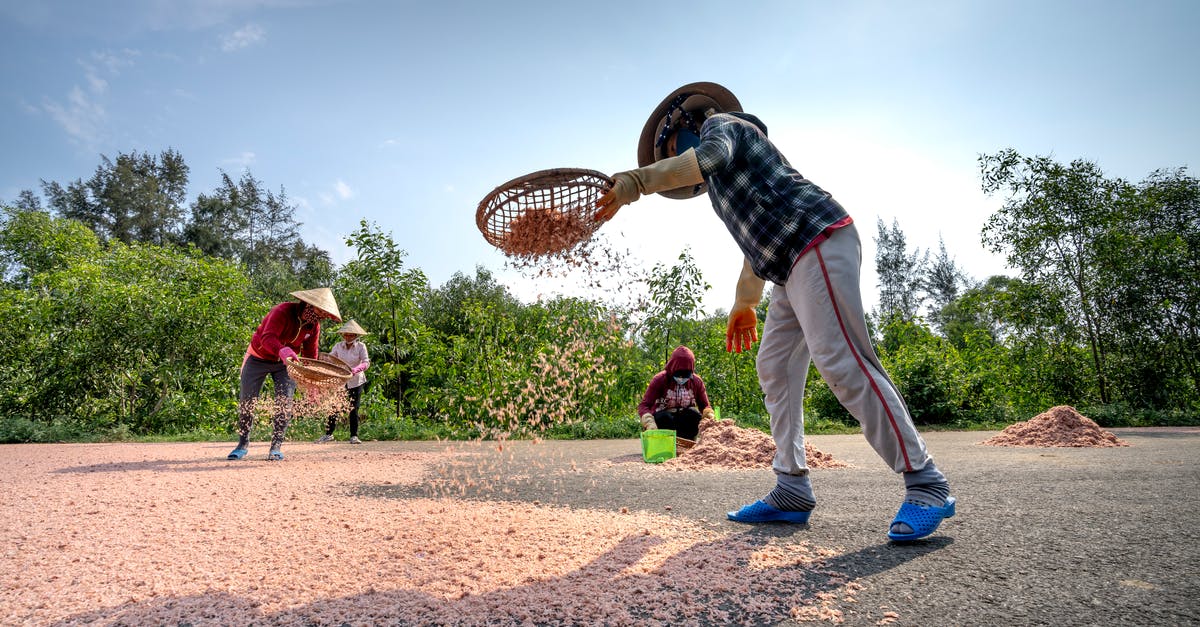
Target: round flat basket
point(542, 213)
point(328, 358)
point(317, 373)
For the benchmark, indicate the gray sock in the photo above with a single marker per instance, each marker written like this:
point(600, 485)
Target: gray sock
point(927, 486)
point(792, 493)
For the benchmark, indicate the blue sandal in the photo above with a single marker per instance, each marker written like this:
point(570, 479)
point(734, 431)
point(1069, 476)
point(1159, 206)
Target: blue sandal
point(760, 511)
point(274, 456)
point(922, 519)
point(237, 453)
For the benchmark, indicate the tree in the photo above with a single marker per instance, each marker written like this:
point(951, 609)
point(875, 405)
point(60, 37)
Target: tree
point(1148, 262)
point(900, 275)
point(675, 294)
point(383, 296)
point(245, 222)
point(1048, 227)
point(123, 338)
point(137, 198)
point(942, 283)
point(297, 266)
point(33, 242)
point(28, 201)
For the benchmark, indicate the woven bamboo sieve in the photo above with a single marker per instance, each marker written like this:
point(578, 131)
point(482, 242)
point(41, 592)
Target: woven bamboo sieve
point(328, 358)
point(544, 212)
point(317, 373)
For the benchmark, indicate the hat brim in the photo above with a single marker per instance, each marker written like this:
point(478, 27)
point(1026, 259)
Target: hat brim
point(648, 154)
point(321, 298)
point(352, 328)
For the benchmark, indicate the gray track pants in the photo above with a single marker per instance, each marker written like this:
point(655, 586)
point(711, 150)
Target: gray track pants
point(818, 316)
point(254, 374)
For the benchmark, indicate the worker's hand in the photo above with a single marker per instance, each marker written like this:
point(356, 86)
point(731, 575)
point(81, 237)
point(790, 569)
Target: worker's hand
point(648, 422)
point(623, 192)
point(743, 323)
point(287, 354)
point(742, 331)
point(660, 176)
point(359, 368)
point(708, 413)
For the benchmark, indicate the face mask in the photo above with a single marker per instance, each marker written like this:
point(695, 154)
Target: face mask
point(310, 315)
point(682, 380)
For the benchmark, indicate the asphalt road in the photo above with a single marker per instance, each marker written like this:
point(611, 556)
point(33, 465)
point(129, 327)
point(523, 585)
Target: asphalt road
point(1042, 536)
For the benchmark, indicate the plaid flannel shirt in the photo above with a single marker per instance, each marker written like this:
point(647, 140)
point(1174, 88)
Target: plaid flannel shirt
point(773, 212)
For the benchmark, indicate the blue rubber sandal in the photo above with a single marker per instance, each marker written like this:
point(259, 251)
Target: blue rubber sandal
point(274, 456)
point(237, 453)
point(922, 519)
point(760, 511)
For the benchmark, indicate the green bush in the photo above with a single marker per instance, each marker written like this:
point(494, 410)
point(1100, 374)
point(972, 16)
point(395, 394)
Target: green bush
point(128, 340)
point(15, 430)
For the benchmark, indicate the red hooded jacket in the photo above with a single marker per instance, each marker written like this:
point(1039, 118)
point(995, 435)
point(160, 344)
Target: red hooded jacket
point(656, 393)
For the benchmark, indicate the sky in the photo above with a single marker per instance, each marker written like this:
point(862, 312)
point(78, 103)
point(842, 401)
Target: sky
point(406, 114)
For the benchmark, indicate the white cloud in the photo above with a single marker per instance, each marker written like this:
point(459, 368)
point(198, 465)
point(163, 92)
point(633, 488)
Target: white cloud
point(81, 117)
point(97, 84)
point(243, 161)
point(114, 61)
point(244, 37)
point(343, 190)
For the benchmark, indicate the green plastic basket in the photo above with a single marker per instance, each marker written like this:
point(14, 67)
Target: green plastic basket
point(658, 445)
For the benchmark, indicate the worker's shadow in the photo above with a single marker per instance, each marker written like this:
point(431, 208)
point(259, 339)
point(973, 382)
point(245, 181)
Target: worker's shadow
point(758, 576)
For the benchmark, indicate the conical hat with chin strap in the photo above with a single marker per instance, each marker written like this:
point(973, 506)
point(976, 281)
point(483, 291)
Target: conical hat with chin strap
point(321, 298)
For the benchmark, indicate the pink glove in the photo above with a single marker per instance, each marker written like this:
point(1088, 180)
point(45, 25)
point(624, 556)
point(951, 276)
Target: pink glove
point(359, 368)
point(287, 354)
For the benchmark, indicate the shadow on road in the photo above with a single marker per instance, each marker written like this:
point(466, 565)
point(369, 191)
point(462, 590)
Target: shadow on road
point(744, 578)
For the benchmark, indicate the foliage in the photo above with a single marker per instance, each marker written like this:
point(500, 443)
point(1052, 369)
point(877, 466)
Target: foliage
point(675, 295)
point(243, 221)
point(1119, 260)
point(134, 337)
point(560, 369)
point(31, 241)
point(901, 275)
point(730, 378)
point(927, 369)
point(137, 198)
point(384, 297)
point(943, 283)
point(1151, 303)
point(1048, 227)
point(128, 321)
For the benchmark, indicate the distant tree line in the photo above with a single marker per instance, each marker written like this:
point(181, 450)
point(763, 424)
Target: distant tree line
point(140, 198)
point(127, 311)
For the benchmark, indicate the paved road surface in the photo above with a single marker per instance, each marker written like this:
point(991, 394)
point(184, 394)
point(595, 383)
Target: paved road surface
point(1049, 536)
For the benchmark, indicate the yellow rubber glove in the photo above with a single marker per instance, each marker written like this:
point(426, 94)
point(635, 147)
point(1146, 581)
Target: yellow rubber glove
point(661, 176)
point(708, 413)
point(648, 422)
point(742, 331)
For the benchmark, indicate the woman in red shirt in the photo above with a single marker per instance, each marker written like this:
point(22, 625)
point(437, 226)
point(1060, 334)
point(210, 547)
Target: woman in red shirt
point(289, 327)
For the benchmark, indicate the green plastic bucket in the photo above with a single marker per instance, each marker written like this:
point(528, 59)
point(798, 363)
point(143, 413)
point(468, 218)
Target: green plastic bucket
point(658, 445)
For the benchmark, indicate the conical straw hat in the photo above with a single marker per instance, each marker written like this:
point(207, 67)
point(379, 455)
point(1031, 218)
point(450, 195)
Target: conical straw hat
point(351, 327)
point(321, 298)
